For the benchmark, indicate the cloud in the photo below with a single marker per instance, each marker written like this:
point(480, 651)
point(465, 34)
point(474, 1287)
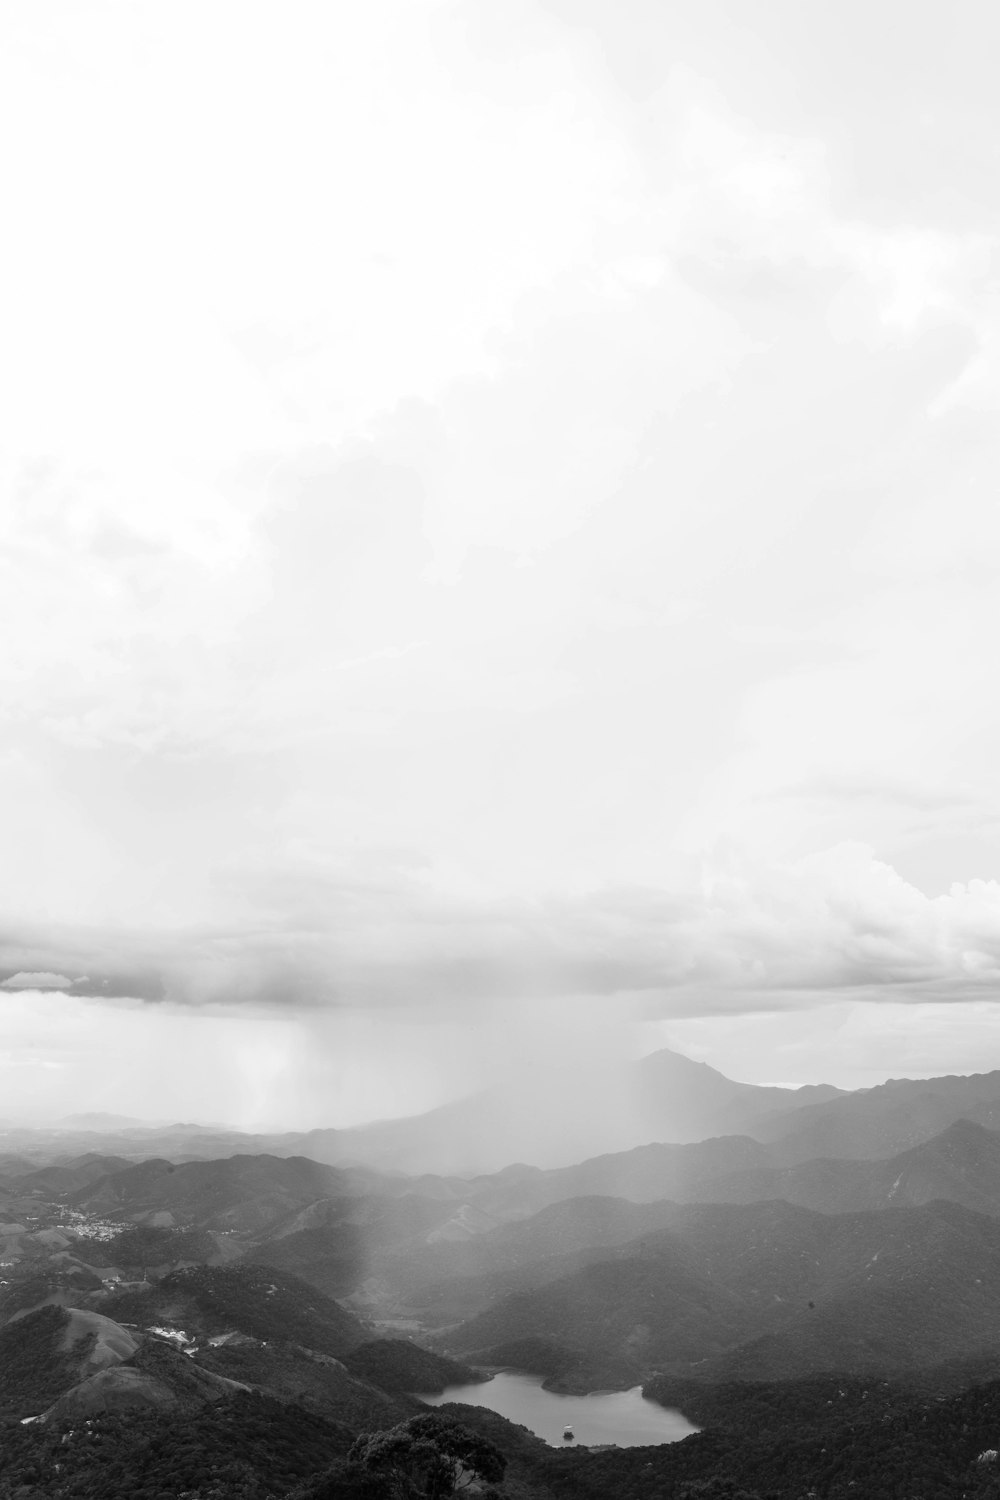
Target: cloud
point(752, 212)
point(886, 790)
point(752, 939)
point(37, 981)
point(849, 1041)
point(569, 486)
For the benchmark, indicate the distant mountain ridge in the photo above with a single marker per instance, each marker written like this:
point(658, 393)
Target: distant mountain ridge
point(883, 1120)
point(763, 1292)
point(102, 1120)
point(665, 1098)
point(960, 1165)
point(546, 1116)
point(554, 1117)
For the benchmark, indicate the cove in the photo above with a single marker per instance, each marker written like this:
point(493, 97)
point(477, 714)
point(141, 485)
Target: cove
point(622, 1417)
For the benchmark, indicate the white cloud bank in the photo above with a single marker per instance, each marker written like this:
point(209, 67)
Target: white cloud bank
point(750, 938)
point(497, 506)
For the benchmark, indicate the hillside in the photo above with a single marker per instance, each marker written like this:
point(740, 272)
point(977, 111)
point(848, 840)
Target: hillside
point(883, 1121)
point(835, 1438)
point(644, 1174)
point(400, 1366)
point(249, 1444)
point(69, 1174)
point(155, 1376)
point(318, 1382)
point(763, 1292)
point(545, 1118)
point(615, 1198)
point(40, 1358)
point(444, 1281)
point(253, 1300)
point(961, 1165)
point(337, 1244)
point(240, 1192)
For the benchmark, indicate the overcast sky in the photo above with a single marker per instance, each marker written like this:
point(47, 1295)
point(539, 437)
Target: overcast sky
point(500, 544)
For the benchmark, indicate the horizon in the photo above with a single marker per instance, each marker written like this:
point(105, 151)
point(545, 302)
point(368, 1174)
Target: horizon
point(71, 1123)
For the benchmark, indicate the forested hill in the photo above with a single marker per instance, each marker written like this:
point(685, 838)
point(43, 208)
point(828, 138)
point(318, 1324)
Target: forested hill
point(255, 1300)
point(831, 1439)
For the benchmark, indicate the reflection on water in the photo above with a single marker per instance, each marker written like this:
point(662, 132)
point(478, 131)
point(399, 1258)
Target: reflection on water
point(621, 1417)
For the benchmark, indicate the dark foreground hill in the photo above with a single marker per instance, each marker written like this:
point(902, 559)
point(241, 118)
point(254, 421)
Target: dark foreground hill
point(833, 1439)
point(40, 1360)
point(157, 1376)
point(830, 1439)
point(60, 1365)
point(248, 1446)
point(69, 1361)
point(913, 1438)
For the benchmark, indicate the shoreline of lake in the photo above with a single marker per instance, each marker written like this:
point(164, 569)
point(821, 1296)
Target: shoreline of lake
point(626, 1419)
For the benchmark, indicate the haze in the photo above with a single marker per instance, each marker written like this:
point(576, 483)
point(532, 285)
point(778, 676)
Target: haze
point(500, 551)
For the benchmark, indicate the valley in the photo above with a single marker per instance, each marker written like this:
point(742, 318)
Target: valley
point(691, 1273)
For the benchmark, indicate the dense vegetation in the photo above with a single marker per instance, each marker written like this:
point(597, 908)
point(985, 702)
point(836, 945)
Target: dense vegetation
point(316, 1381)
point(883, 1446)
point(247, 1448)
point(399, 1365)
point(141, 1246)
point(535, 1356)
point(332, 1257)
point(256, 1300)
point(830, 1437)
point(35, 1285)
point(34, 1369)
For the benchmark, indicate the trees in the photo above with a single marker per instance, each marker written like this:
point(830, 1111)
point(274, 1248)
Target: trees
point(345, 1481)
point(428, 1456)
point(721, 1488)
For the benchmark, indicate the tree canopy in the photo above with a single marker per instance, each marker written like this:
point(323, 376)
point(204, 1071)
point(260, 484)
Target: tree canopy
point(428, 1456)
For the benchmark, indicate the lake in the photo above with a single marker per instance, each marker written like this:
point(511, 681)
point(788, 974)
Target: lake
point(621, 1417)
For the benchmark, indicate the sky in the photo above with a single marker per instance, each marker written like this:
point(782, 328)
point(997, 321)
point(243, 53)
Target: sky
point(500, 547)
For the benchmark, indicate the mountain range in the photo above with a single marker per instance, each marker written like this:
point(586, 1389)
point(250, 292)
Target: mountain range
point(556, 1117)
point(736, 1237)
